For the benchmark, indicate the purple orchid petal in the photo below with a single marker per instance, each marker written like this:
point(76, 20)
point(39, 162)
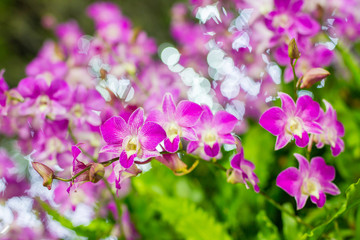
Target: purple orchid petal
point(321, 170)
point(58, 90)
point(31, 87)
point(114, 130)
point(306, 25)
point(172, 146)
point(307, 109)
point(112, 148)
point(339, 147)
point(300, 200)
point(206, 116)
point(313, 127)
point(75, 151)
point(303, 140)
point(281, 4)
point(192, 146)
point(189, 134)
point(288, 180)
point(227, 139)
point(94, 100)
point(282, 139)
point(340, 129)
point(150, 135)
point(236, 160)
point(126, 161)
point(155, 116)
point(149, 154)
point(224, 122)
point(296, 5)
point(168, 106)
point(330, 188)
point(212, 151)
point(273, 120)
point(304, 165)
point(319, 202)
point(187, 113)
point(136, 120)
point(287, 104)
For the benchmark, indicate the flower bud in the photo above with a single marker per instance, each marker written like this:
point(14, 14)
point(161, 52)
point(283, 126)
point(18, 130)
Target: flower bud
point(173, 162)
point(96, 172)
point(45, 172)
point(313, 76)
point(293, 50)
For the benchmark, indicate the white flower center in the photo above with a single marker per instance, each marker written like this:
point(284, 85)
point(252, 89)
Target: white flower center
point(173, 130)
point(209, 137)
point(295, 126)
point(281, 20)
point(310, 187)
point(77, 110)
point(43, 101)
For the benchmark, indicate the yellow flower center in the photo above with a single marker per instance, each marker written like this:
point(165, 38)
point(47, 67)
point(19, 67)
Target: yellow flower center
point(281, 20)
point(132, 146)
point(44, 101)
point(210, 137)
point(173, 130)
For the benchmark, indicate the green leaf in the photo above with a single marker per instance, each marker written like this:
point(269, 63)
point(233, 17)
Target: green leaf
point(98, 228)
point(268, 231)
point(192, 222)
point(350, 62)
point(290, 226)
point(352, 200)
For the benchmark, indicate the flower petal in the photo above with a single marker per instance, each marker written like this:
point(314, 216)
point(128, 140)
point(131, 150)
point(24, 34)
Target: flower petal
point(273, 120)
point(224, 122)
point(192, 146)
point(300, 201)
point(187, 113)
point(126, 161)
point(282, 139)
point(189, 134)
point(303, 164)
point(227, 139)
point(303, 140)
point(212, 151)
point(321, 171)
point(172, 146)
point(150, 135)
point(168, 106)
point(136, 120)
point(287, 104)
point(111, 148)
point(114, 130)
point(289, 180)
point(307, 109)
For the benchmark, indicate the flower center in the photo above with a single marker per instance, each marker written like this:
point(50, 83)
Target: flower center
point(172, 131)
point(43, 103)
point(210, 137)
point(131, 146)
point(281, 20)
point(294, 126)
point(310, 187)
point(77, 110)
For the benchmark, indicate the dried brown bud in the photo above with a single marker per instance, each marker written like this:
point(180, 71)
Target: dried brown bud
point(313, 76)
point(293, 50)
point(45, 172)
point(103, 73)
point(96, 172)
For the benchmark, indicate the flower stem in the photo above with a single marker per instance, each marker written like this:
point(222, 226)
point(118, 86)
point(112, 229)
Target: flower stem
point(282, 209)
point(293, 64)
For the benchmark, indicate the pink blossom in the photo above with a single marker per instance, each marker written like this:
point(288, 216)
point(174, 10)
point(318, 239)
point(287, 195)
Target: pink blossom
point(311, 179)
point(177, 121)
point(132, 138)
point(292, 120)
point(243, 171)
point(3, 88)
point(212, 131)
point(333, 130)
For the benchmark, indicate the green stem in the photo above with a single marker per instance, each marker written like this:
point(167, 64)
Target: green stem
point(282, 209)
point(117, 204)
point(74, 177)
point(293, 64)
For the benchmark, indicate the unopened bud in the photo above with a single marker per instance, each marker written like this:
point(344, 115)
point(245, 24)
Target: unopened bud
point(96, 172)
point(313, 76)
point(173, 162)
point(45, 172)
point(293, 50)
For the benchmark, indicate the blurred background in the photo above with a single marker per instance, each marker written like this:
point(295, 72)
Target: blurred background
point(23, 33)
